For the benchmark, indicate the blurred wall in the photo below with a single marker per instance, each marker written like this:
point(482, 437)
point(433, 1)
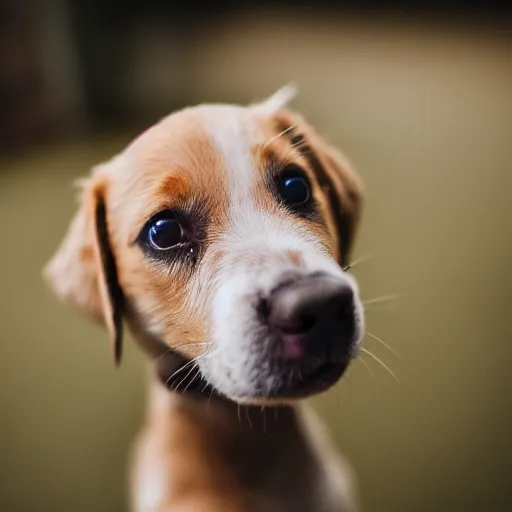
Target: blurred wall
point(424, 112)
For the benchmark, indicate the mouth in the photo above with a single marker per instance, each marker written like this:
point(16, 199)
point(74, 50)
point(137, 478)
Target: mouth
point(290, 382)
point(300, 384)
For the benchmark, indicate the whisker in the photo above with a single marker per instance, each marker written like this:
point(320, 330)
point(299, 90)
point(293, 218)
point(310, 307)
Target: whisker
point(299, 142)
point(168, 351)
point(275, 137)
point(194, 367)
point(375, 358)
point(210, 399)
point(238, 413)
point(248, 416)
point(382, 306)
point(198, 374)
point(337, 397)
point(358, 261)
point(181, 368)
point(384, 298)
point(264, 410)
point(171, 349)
point(383, 343)
point(365, 364)
point(303, 148)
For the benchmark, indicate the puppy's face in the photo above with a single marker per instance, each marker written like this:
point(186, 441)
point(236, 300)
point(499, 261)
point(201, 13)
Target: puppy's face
point(222, 232)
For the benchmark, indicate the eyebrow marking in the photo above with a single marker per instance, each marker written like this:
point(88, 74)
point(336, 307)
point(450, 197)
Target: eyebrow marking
point(341, 220)
point(176, 186)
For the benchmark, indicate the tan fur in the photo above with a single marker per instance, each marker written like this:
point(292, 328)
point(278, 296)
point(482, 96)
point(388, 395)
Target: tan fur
point(194, 455)
point(278, 153)
point(339, 169)
point(217, 458)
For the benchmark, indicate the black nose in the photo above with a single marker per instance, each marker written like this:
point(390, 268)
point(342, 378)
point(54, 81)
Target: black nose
point(314, 315)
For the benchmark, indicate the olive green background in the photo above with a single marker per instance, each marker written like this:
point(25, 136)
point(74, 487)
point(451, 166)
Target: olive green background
point(425, 114)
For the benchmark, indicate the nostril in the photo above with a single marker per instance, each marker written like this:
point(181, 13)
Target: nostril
point(299, 324)
point(263, 309)
point(307, 322)
point(312, 305)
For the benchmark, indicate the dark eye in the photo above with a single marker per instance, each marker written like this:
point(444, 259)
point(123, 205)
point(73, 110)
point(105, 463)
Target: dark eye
point(294, 187)
point(165, 231)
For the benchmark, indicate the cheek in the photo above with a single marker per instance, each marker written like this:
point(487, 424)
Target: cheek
point(182, 326)
point(161, 301)
point(322, 233)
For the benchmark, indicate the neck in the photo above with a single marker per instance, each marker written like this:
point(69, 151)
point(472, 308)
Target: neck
point(223, 418)
point(236, 457)
point(259, 456)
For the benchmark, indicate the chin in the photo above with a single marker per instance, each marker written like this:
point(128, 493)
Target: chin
point(287, 386)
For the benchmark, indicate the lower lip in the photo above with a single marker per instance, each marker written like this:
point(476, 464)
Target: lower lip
point(319, 380)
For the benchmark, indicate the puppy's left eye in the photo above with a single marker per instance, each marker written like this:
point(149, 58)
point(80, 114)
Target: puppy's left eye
point(294, 187)
point(165, 231)
point(172, 237)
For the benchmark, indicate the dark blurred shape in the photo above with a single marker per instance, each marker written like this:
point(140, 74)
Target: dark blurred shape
point(25, 111)
point(118, 40)
point(116, 62)
point(37, 93)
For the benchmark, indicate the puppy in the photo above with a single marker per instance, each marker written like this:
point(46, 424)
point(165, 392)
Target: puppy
point(220, 235)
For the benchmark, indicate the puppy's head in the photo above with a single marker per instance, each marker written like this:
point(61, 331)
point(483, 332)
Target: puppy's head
point(222, 231)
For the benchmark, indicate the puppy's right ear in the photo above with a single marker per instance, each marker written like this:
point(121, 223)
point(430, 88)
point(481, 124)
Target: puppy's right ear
point(83, 270)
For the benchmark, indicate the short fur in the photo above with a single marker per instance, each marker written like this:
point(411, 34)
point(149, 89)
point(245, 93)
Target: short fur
point(195, 313)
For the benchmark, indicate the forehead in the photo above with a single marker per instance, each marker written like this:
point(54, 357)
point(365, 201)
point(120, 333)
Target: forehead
point(202, 154)
point(198, 141)
point(201, 142)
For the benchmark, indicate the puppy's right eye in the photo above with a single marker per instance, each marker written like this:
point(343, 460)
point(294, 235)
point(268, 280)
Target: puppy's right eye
point(165, 231)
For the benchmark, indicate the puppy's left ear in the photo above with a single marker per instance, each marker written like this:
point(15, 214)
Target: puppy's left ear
point(334, 173)
point(344, 191)
point(83, 270)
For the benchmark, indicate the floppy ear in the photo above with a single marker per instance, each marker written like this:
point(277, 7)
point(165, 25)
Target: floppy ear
point(83, 270)
point(344, 191)
point(335, 175)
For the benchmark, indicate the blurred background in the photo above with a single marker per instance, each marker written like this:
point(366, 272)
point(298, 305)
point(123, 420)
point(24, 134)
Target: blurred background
point(418, 96)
